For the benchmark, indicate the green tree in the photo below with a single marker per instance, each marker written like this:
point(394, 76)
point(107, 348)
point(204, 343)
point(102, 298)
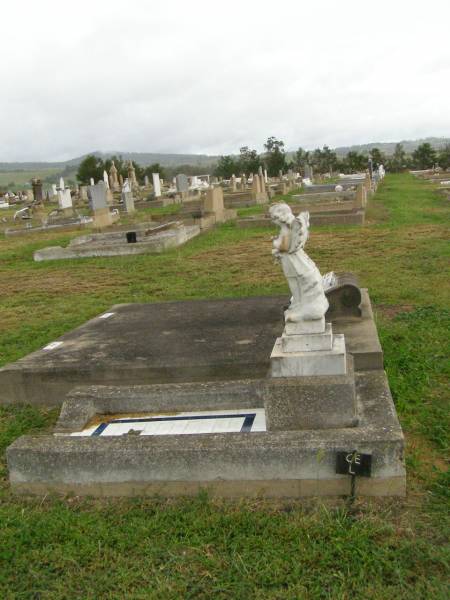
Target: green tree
point(424, 156)
point(353, 162)
point(398, 161)
point(301, 159)
point(324, 161)
point(378, 158)
point(249, 161)
point(91, 166)
point(227, 166)
point(275, 156)
point(444, 157)
point(154, 168)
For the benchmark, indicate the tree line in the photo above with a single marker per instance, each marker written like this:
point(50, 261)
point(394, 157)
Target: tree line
point(324, 160)
point(276, 159)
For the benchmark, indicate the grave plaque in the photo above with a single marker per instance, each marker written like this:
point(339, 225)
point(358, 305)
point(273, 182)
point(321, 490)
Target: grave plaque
point(182, 183)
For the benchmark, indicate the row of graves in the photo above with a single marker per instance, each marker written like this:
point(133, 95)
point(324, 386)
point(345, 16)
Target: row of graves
point(343, 202)
point(278, 396)
point(438, 176)
point(202, 202)
point(99, 207)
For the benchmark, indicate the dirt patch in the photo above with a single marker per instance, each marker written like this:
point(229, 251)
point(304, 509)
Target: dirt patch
point(392, 310)
point(429, 457)
point(59, 281)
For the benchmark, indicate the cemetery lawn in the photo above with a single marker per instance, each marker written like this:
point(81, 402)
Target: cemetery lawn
point(202, 548)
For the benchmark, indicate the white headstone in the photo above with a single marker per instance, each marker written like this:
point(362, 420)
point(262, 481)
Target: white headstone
point(54, 192)
point(156, 185)
point(64, 198)
point(265, 176)
point(105, 179)
point(61, 183)
point(92, 181)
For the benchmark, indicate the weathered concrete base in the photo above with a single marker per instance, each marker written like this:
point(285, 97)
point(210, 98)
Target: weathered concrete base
point(115, 244)
point(276, 488)
point(314, 402)
point(215, 339)
point(270, 464)
point(309, 362)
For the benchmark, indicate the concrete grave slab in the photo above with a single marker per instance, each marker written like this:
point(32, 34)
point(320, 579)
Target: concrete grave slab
point(272, 463)
point(172, 342)
point(156, 240)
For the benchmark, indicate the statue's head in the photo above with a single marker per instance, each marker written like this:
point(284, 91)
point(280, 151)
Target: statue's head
point(281, 213)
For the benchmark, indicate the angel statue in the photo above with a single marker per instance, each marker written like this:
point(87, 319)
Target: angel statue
point(308, 300)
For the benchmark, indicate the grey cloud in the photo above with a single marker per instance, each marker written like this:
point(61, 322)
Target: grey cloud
point(202, 77)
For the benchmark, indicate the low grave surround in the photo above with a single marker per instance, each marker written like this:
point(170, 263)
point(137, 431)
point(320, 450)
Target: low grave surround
point(314, 417)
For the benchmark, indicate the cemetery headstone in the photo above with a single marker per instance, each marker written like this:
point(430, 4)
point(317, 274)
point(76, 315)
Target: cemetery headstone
point(156, 185)
point(37, 190)
point(182, 183)
point(113, 178)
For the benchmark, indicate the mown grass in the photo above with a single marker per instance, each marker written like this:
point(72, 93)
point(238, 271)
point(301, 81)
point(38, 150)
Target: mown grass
point(201, 548)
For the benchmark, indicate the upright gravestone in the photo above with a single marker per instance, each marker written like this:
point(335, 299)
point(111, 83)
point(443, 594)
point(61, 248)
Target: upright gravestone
point(233, 183)
point(127, 197)
point(105, 179)
point(156, 185)
point(182, 183)
point(65, 199)
point(83, 192)
point(113, 178)
point(132, 176)
point(214, 203)
point(256, 185)
point(99, 205)
point(146, 181)
point(36, 184)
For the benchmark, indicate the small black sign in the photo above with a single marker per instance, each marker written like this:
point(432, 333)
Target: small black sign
point(354, 463)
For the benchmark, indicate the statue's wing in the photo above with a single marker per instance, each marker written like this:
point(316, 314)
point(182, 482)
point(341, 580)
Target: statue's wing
point(299, 231)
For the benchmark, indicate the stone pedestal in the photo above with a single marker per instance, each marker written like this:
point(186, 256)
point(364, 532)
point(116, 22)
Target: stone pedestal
point(308, 362)
point(308, 348)
point(312, 401)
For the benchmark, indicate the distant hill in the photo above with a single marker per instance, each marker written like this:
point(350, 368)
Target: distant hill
point(147, 158)
point(202, 161)
point(141, 158)
point(388, 147)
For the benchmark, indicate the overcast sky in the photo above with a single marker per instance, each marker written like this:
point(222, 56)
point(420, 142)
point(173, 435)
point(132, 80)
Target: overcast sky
point(201, 76)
